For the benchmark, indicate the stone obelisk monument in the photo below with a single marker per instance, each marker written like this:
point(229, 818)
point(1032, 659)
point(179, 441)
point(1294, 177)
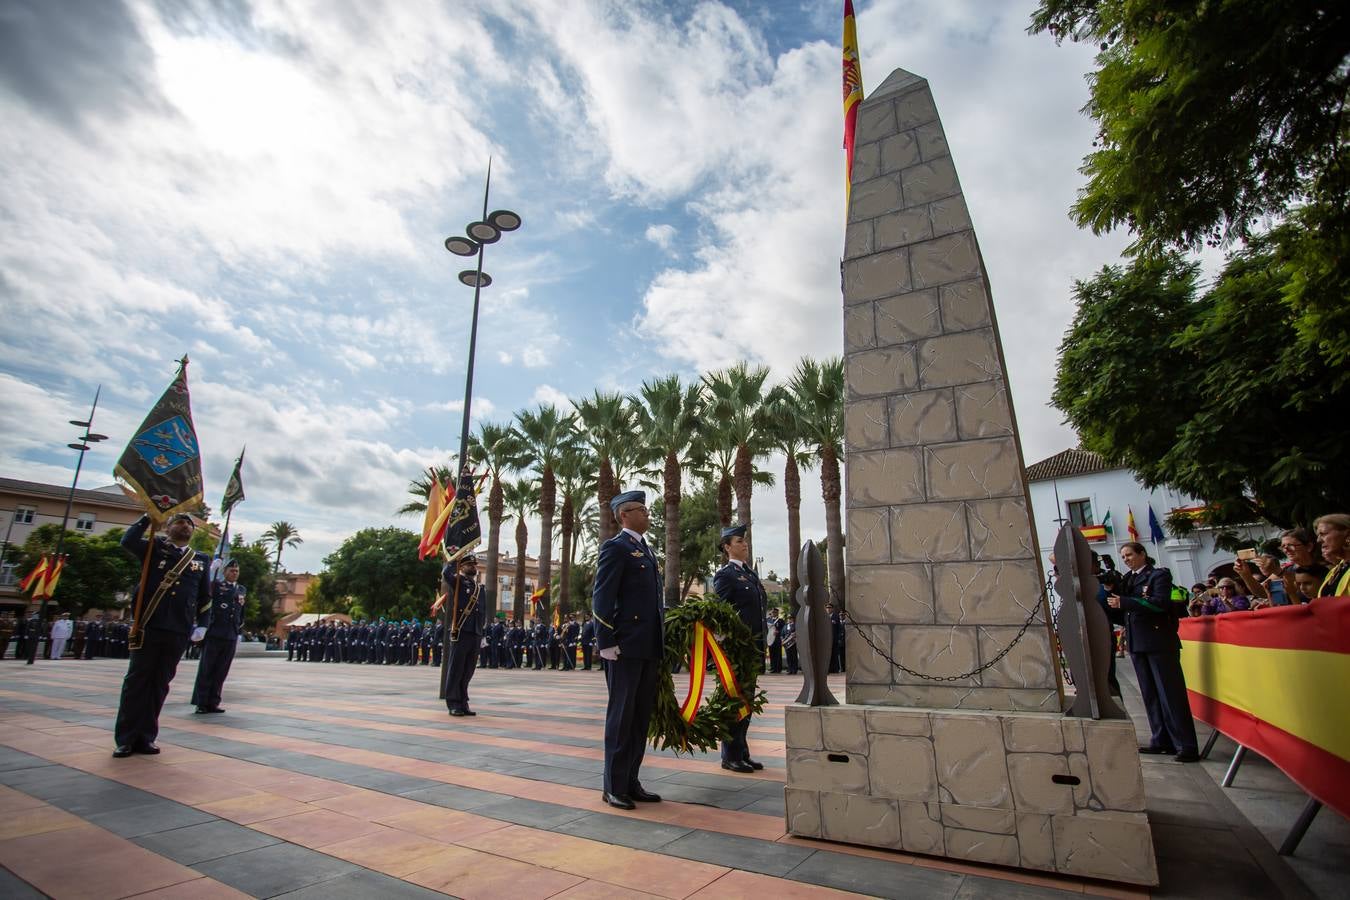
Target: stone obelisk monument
point(967, 754)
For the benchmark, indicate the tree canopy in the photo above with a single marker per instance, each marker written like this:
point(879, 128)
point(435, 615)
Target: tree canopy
point(97, 569)
point(378, 569)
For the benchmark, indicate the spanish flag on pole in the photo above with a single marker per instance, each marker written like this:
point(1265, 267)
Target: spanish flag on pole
point(853, 92)
point(34, 579)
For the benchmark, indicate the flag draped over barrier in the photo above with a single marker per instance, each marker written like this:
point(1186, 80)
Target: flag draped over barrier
point(1268, 680)
point(704, 646)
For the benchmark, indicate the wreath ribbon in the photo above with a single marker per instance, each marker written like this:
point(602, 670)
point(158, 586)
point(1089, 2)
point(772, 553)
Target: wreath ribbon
point(706, 645)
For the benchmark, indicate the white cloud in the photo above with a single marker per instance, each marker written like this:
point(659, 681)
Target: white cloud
point(504, 358)
point(482, 406)
point(661, 235)
point(546, 393)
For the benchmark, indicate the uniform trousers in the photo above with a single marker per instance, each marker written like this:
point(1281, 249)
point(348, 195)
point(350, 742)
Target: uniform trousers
point(1163, 686)
point(217, 655)
point(463, 660)
point(58, 648)
point(632, 697)
point(146, 686)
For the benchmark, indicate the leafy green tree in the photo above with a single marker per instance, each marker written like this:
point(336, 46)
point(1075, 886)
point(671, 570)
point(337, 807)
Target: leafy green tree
point(668, 414)
point(545, 435)
point(282, 535)
point(699, 530)
point(420, 488)
point(608, 422)
point(1196, 390)
point(321, 601)
point(97, 569)
point(817, 390)
point(735, 395)
point(379, 569)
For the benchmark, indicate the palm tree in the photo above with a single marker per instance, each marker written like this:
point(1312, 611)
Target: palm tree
point(420, 488)
point(282, 535)
point(734, 395)
point(546, 435)
point(780, 423)
point(608, 420)
point(521, 497)
point(818, 393)
point(667, 416)
point(575, 479)
point(498, 448)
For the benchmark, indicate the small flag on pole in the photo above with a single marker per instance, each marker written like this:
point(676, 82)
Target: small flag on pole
point(163, 465)
point(853, 92)
point(433, 523)
point(1106, 523)
point(47, 585)
point(1155, 532)
point(34, 578)
point(1129, 524)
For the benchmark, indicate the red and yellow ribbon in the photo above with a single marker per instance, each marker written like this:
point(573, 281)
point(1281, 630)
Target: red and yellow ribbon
point(1270, 680)
point(706, 645)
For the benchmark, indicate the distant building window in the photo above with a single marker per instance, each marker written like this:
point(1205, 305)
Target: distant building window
point(24, 515)
point(1080, 513)
point(85, 521)
point(7, 575)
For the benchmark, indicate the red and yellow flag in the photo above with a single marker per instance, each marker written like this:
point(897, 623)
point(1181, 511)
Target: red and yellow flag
point(537, 596)
point(853, 91)
point(47, 587)
point(433, 524)
point(705, 645)
point(1129, 524)
point(436, 606)
point(36, 576)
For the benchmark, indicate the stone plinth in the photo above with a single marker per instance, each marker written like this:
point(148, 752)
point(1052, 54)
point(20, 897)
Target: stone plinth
point(970, 757)
point(1034, 790)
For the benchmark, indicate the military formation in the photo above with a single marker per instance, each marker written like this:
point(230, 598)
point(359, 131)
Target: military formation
point(504, 644)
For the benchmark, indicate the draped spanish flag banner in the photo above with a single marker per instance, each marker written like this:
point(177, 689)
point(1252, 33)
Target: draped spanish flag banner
point(705, 645)
point(1271, 681)
point(853, 92)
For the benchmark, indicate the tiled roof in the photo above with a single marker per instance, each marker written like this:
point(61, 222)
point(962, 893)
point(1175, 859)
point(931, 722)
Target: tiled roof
point(1068, 463)
point(102, 496)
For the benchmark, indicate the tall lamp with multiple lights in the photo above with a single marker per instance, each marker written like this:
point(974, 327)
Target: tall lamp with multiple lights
point(487, 230)
point(82, 445)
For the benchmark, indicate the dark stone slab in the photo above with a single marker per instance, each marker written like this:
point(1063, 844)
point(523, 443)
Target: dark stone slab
point(452, 796)
point(977, 888)
point(150, 818)
point(273, 870)
point(768, 806)
point(764, 857)
point(12, 887)
point(210, 840)
point(876, 877)
point(624, 832)
point(533, 813)
point(11, 759)
point(362, 885)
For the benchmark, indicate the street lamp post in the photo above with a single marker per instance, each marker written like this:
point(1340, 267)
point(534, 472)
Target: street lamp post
point(89, 437)
point(487, 230)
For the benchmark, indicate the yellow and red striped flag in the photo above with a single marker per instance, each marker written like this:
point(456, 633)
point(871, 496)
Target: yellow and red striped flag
point(433, 524)
point(853, 92)
point(36, 576)
point(47, 585)
point(1129, 525)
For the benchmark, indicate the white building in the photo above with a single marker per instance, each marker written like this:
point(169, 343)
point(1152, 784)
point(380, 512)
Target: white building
point(1079, 487)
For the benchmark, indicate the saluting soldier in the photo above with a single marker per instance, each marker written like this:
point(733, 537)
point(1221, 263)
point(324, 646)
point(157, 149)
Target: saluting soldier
point(626, 603)
point(222, 638)
point(464, 596)
point(737, 584)
point(176, 588)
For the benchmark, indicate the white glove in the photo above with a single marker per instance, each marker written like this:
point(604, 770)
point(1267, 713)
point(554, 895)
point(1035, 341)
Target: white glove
point(610, 653)
point(198, 633)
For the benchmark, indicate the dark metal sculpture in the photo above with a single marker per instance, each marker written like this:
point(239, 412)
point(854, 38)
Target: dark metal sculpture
point(814, 638)
point(1084, 631)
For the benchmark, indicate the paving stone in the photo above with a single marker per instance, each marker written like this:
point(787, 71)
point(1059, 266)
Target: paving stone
point(624, 831)
point(362, 885)
point(875, 877)
point(531, 812)
point(273, 870)
point(209, 840)
point(149, 818)
point(765, 857)
point(452, 796)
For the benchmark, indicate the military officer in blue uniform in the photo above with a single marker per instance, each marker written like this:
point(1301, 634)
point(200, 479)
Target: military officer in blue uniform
point(464, 597)
point(1151, 618)
point(587, 642)
point(222, 637)
point(174, 610)
point(737, 584)
point(626, 603)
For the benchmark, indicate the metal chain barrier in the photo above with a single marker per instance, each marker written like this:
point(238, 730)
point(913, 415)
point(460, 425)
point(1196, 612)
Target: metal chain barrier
point(1021, 632)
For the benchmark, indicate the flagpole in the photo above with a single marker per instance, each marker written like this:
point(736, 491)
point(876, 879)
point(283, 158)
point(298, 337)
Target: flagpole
point(88, 438)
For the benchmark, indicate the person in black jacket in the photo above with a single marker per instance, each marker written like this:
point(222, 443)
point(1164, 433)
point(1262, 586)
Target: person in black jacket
point(174, 609)
point(626, 603)
point(737, 584)
point(1151, 618)
point(587, 642)
point(464, 599)
point(222, 638)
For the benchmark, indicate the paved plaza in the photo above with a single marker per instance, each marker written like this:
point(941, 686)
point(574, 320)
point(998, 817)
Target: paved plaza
point(338, 781)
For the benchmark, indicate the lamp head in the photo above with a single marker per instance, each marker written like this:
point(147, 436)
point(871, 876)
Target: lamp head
point(472, 278)
point(461, 246)
point(484, 232)
point(504, 220)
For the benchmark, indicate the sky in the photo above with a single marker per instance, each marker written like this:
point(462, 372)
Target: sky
point(266, 186)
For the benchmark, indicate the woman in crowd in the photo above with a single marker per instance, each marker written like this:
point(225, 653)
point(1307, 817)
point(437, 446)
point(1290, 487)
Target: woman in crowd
point(1228, 600)
point(1333, 532)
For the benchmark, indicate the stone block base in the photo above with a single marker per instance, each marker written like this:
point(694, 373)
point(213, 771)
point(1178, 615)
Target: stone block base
point(1033, 790)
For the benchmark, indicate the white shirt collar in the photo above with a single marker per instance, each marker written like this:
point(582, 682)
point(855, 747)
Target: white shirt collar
point(737, 562)
point(637, 537)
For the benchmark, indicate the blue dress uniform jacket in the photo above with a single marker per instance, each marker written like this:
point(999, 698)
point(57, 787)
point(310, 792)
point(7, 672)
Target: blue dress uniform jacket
point(1150, 620)
point(184, 605)
point(740, 586)
point(465, 608)
point(626, 600)
point(227, 613)
point(222, 637)
point(1151, 632)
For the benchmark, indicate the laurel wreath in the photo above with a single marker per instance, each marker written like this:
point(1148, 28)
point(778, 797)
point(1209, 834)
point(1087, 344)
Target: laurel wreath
point(712, 723)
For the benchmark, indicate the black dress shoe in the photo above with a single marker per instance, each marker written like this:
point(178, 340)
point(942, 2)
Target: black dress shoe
point(215, 709)
point(458, 712)
point(754, 765)
point(735, 765)
point(618, 801)
point(121, 752)
point(1187, 756)
point(149, 749)
point(1157, 751)
point(469, 712)
point(642, 795)
point(201, 710)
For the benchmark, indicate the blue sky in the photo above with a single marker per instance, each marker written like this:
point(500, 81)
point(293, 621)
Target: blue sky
point(266, 186)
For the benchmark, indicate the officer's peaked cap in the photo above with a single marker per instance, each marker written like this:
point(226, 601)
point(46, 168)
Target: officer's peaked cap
point(730, 532)
point(627, 497)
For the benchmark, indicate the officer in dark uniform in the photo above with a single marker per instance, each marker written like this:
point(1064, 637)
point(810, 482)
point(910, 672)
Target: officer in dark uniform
point(836, 638)
point(437, 643)
point(222, 637)
point(174, 609)
point(571, 633)
point(1151, 619)
point(587, 642)
point(626, 603)
point(464, 598)
point(737, 584)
